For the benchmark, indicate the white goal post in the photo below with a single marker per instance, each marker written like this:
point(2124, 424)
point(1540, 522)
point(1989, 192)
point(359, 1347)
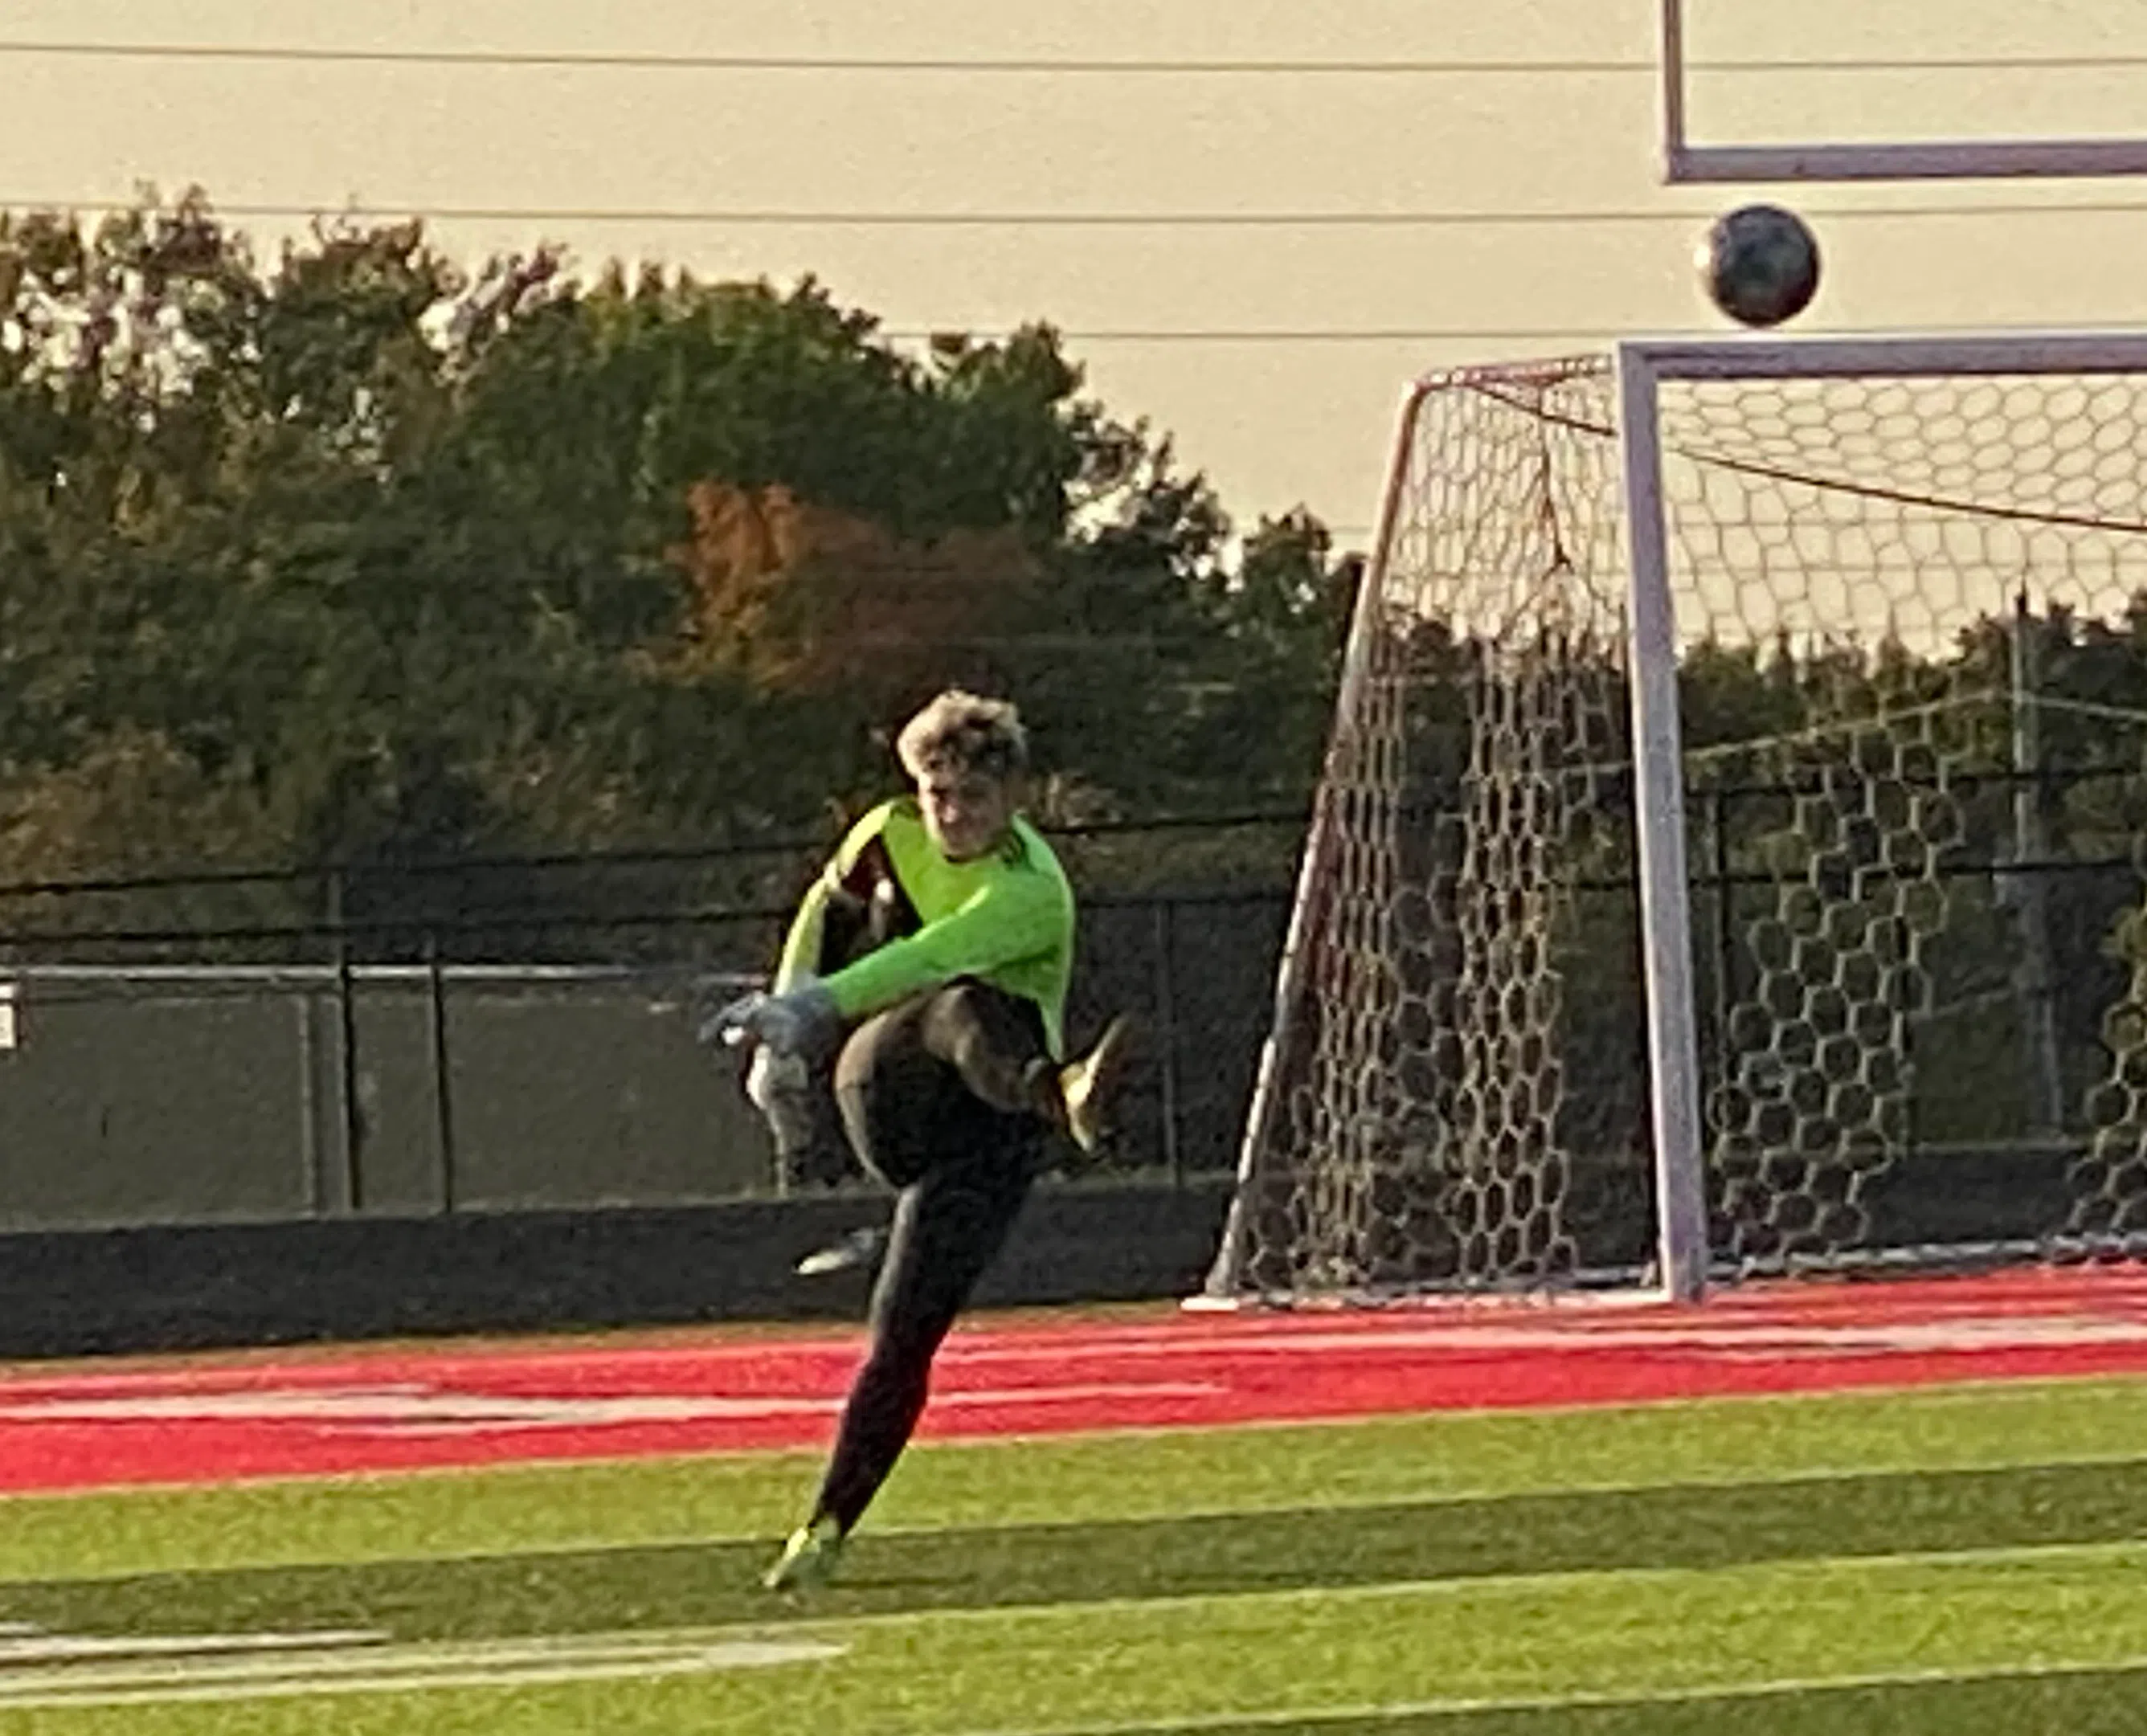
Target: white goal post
point(1531, 1030)
point(1688, 162)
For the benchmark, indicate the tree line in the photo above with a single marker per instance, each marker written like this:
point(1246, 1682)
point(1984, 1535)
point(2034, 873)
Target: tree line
point(355, 554)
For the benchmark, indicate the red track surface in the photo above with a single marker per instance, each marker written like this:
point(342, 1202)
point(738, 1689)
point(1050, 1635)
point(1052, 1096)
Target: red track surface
point(362, 1411)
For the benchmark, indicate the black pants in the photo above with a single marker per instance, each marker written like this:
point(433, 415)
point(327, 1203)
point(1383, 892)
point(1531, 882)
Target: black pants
point(946, 1098)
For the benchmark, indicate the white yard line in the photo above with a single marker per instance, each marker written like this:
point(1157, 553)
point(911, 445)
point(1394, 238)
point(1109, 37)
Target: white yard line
point(20, 1646)
point(1468, 1585)
point(414, 1410)
point(328, 1667)
point(81, 1672)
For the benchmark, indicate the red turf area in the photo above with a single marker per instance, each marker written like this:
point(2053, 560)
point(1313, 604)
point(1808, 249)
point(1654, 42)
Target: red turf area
point(215, 1420)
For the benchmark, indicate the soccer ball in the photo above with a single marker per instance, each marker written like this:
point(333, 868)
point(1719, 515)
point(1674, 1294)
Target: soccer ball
point(1759, 263)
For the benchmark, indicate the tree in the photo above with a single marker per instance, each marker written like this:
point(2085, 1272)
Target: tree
point(377, 559)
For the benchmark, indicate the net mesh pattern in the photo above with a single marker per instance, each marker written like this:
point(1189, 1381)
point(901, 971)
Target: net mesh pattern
point(1455, 1088)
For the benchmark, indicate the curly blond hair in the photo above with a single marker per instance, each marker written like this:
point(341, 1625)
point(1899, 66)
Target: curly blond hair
point(963, 732)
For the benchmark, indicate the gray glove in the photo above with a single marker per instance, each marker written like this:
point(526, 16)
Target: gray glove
point(776, 1078)
point(780, 1087)
point(797, 1021)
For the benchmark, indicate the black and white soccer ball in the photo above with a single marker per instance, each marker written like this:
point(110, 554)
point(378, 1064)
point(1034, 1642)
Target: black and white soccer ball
point(1759, 264)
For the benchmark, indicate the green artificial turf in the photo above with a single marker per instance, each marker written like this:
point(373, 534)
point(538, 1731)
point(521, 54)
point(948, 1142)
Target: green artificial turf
point(1966, 1558)
point(1079, 1479)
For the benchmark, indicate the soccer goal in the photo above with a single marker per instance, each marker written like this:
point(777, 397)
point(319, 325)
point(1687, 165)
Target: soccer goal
point(1726, 857)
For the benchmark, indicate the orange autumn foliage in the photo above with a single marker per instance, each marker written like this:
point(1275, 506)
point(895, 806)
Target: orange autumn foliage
point(806, 599)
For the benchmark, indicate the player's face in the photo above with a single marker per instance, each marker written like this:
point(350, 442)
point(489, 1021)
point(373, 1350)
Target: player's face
point(967, 813)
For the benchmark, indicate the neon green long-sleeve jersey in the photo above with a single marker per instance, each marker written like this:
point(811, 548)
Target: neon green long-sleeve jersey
point(1005, 919)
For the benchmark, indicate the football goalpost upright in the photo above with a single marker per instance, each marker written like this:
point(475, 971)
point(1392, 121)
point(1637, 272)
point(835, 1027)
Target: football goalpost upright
point(1662, 892)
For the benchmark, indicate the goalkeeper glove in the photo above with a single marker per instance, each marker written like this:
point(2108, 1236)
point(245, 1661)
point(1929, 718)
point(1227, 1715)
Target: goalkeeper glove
point(780, 1087)
point(794, 1022)
point(775, 1078)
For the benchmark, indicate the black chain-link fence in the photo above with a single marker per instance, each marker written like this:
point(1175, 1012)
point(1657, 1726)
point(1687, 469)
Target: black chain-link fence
point(517, 1034)
point(513, 1035)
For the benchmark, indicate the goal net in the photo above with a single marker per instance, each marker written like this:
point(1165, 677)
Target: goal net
point(1853, 960)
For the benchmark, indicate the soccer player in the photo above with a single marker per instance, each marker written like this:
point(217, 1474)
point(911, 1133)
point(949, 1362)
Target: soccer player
point(943, 1040)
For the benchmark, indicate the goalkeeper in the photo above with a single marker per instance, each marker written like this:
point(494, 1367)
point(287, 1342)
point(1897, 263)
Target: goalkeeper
point(943, 1040)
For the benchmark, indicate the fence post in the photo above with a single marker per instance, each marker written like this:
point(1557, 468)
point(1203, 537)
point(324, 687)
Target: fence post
point(1166, 1020)
point(2032, 868)
point(443, 1108)
point(353, 1113)
point(1725, 952)
point(309, 1108)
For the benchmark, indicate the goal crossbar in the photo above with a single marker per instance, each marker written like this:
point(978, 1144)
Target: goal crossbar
point(1685, 162)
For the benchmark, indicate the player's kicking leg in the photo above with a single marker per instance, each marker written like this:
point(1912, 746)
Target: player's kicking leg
point(950, 1097)
point(981, 1036)
point(991, 1042)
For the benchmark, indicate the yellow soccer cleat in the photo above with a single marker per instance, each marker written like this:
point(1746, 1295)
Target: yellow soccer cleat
point(808, 1561)
point(1091, 1085)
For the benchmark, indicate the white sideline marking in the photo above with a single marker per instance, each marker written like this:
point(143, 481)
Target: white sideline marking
point(417, 1410)
point(1465, 1586)
point(414, 1410)
point(23, 1644)
point(1774, 1688)
point(81, 1672)
point(1724, 1337)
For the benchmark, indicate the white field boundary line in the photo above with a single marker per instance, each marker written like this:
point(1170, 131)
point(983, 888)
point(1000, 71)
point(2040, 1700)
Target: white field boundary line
point(1753, 1338)
point(401, 1411)
point(372, 1667)
point(1345, 1501)
point(1462, 1322)
point(369, 1668)
point(21, 1647)
point(449, 1405)
point(1950, 1393)
point(1480, 1585)
point(1731, 1693)
point(2098, 1321)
